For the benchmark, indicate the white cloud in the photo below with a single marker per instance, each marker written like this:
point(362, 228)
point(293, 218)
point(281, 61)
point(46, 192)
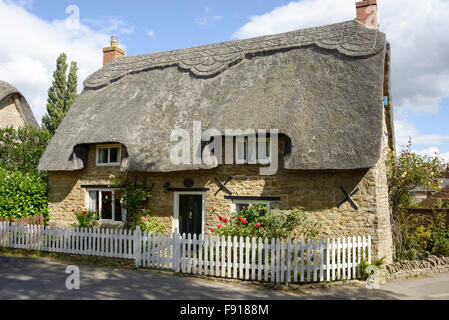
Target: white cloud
point(31, 45)
point(207, 18)
point(406, 129)
point(416, 29)
point(150, 33)
point(432, 152)
point(110, 25)
point(298, 15)
point(28, 4)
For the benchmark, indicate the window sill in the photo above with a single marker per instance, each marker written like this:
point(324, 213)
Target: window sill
point(108, 164)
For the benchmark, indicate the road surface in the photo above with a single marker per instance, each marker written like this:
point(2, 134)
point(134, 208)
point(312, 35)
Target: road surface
point(30, 278)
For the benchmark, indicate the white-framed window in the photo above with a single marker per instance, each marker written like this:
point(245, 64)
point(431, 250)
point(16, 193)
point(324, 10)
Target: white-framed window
point(107, 203)
point(108, 155)
point(239, 205)
point(252, 151)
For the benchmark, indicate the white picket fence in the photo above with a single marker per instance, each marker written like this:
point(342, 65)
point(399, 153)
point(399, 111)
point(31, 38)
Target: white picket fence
point(274, 260)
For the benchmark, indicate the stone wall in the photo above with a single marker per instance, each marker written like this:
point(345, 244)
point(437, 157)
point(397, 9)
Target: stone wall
point(407, 269)
point(10, 115)
point(317, 191)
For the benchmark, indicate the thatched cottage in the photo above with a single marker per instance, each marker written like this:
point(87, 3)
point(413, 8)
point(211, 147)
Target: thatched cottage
point(326, 90)
point(14, 109)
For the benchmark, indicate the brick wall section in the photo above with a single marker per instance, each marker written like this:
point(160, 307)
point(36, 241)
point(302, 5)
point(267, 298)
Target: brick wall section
point(367, 13)
point(10, 115)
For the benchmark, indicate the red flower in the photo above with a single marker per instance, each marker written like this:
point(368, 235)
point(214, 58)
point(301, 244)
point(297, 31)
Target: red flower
point(84, 213)
point(240, 218)
point(244, 221)
point(213, 229)
point(221, 218)
point(257, 225)
point(73, 210)
point(238, 223)
point(219, 226)
point(225, 220)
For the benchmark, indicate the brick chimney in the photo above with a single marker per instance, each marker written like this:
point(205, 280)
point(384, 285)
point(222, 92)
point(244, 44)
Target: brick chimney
point(112, 52)
point(367, 13)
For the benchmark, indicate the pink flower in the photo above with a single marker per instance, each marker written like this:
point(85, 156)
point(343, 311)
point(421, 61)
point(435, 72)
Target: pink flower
point(257, 225)
point(213, 229)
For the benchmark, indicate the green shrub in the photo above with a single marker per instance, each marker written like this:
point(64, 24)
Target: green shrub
point(135, 194)
point(153, 225)
point(21, 149)
point(86, 218)
point(257, 221)
point(22, 195)
point(425, 236)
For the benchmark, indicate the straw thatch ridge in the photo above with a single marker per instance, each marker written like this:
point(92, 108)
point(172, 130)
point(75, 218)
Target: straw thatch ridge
point(325, 95)
point(349, 38)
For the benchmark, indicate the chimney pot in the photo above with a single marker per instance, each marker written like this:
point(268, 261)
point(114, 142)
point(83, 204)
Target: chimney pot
point(112, 52)
point(367, 13)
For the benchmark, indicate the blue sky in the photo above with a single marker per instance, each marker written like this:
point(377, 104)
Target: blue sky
point(176, 24)
point(420, 51)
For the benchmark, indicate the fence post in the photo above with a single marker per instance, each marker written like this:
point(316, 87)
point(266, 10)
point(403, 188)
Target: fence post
point(138, 246)
point(176, 252)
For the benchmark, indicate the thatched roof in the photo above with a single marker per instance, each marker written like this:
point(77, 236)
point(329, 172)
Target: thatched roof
point(7, 91)
point(322, 87)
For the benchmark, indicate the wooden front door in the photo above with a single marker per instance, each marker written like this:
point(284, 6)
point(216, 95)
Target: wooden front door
point(190, 214)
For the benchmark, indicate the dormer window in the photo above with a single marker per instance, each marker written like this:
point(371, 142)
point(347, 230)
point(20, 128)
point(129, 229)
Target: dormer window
point(252, 151)
point(108, 155)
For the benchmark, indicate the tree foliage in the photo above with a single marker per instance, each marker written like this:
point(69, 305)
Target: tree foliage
point(61, 95)
point(405, 172)
point(21, 149)
point(409, 170)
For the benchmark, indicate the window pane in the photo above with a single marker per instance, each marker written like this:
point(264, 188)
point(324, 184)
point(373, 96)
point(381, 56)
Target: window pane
point(118, 207)
point(252, 151)
point(242, 206)
point(268, 148)
point(103, 155)
point(114, 155)
point(93, 201)
point(106, 205)
point(241, 151)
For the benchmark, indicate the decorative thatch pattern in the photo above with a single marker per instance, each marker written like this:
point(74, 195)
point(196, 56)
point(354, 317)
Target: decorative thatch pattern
point(327, 101)
point(7, 91)
point(349, 38)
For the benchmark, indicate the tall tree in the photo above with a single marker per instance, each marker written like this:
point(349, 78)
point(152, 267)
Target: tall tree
point(61, 95)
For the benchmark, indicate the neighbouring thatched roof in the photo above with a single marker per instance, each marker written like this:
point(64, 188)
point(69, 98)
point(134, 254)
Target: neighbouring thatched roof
point(322, 87)
point(7, 91)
